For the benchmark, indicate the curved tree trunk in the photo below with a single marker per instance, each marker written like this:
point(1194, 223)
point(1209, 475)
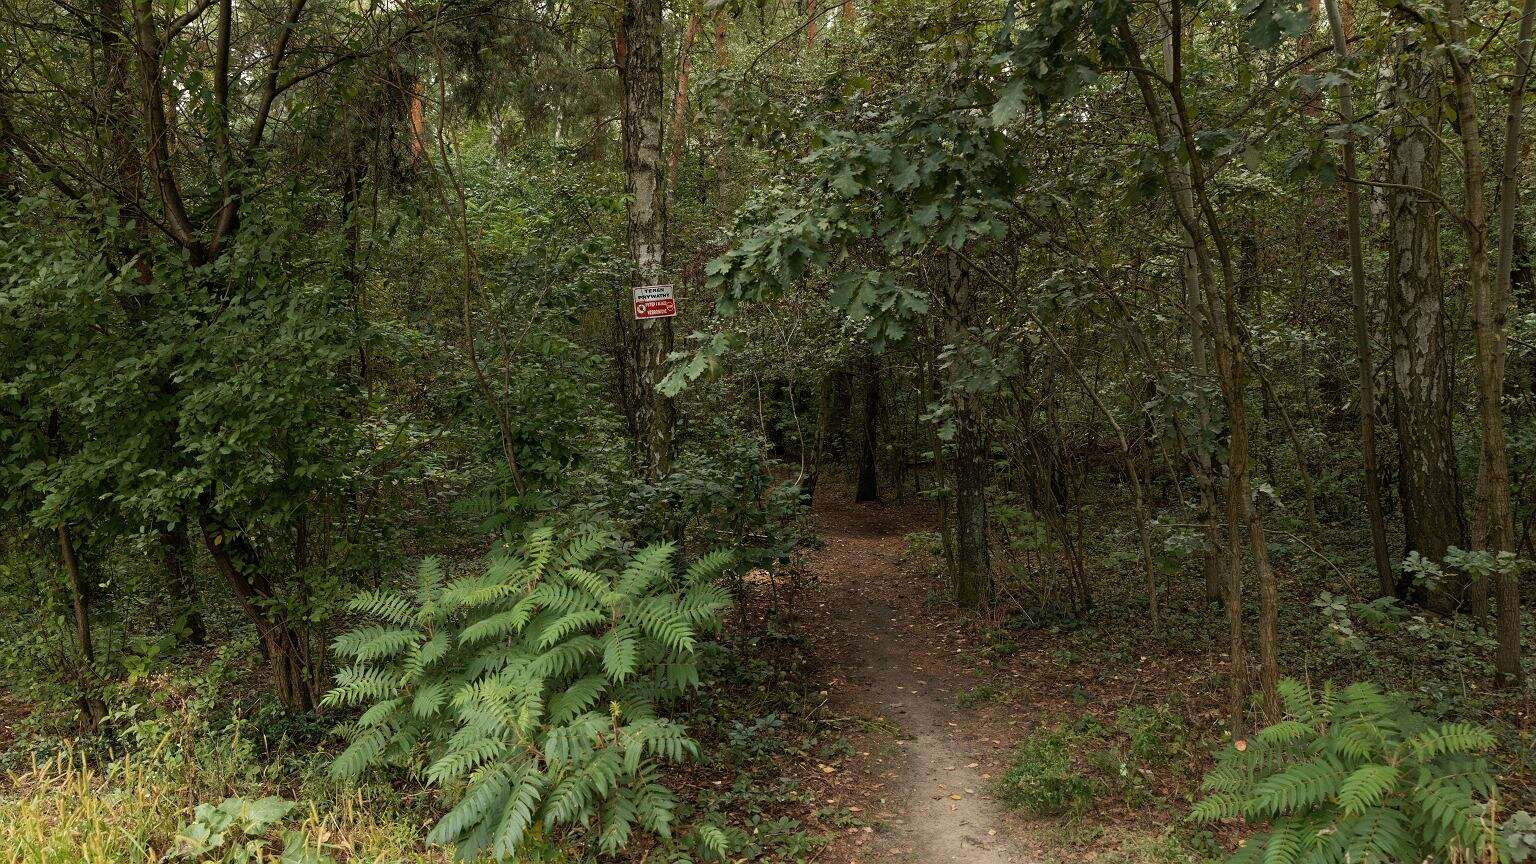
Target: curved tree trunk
point(92, 709)
point(287, 653)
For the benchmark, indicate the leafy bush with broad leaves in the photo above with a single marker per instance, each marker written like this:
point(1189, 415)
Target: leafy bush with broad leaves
point(532, 690)
point(1356, 775)
point(215, 828)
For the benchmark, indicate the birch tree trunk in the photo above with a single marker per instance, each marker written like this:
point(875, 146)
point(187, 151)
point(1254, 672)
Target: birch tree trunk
point(639, 58)
point(1431, 491)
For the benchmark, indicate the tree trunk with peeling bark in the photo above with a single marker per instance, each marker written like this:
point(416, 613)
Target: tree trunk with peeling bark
point(1430, 489)
point(638, 52)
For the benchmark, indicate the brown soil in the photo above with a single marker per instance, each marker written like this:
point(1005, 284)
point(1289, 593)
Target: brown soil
point(922, 771)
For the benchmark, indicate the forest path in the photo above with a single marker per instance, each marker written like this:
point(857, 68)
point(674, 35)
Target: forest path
point(888, 659)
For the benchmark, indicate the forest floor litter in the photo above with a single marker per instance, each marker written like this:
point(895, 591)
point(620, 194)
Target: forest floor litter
point(926, 780)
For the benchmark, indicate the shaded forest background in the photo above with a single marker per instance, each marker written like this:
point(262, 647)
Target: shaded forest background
point(1202, 332)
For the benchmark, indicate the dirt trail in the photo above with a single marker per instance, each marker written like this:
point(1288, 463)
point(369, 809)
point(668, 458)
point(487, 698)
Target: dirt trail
point(884, 653)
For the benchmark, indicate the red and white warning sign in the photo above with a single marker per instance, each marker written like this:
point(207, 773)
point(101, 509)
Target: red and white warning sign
point(654, 301)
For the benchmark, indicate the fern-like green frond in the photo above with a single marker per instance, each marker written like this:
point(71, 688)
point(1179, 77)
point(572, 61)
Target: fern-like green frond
point(1450, 739)
point(504, 688)
point(709, 567)
point(1365, 787)
point(646, 569)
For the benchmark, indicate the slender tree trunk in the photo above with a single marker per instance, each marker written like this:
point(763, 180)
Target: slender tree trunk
point(92, 709)
point(869, 475)
point(824, 408)
point(720, 56)
point(1221, 315)
point(680, 96)
point(1493, 520)
point(1495, 463)
point(1202, 462)
point(972, 574)
point(1153, 615)
point(1367, 368)
point(183, 589)
point(287, 653)
point(932, 387)
point(638, 51)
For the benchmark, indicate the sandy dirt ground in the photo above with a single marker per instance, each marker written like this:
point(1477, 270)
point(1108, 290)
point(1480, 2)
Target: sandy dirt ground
point(923, 773)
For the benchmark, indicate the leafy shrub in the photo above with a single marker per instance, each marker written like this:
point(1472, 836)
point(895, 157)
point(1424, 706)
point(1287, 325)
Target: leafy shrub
point(531, 690)
point(1356, 775)
point(1519, 833)
point(214, 826)
point(1042, 778)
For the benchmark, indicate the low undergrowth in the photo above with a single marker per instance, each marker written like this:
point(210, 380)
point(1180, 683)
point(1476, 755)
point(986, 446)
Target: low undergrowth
point(183, 768)
point(142, 808)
